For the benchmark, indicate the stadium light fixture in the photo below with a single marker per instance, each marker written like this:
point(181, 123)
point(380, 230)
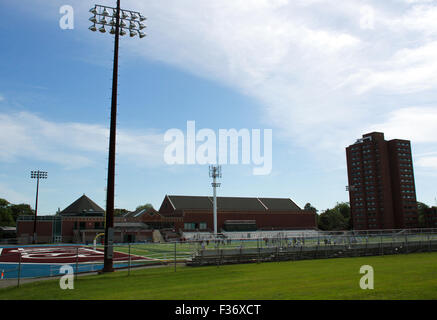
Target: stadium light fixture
point(117, 20)
point(36, 175)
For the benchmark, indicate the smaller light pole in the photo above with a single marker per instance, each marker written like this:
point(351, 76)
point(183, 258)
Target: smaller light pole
point(36, 175)
point(214, 173)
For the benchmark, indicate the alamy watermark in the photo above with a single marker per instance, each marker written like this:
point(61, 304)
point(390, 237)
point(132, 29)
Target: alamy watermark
point(67, 280)
point(67, 20)
point(201, 147)
point(366, 281)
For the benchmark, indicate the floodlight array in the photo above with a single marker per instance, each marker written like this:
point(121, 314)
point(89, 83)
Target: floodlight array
point(129, 21)
point(215, 171)
point(38, 175)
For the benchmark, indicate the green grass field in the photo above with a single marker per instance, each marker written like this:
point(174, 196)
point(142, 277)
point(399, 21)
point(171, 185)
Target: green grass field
point(412, 276)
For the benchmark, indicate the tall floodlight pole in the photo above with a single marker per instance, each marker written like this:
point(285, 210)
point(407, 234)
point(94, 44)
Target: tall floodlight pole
point(120, 21)
point(36, 175)
point(215, 172)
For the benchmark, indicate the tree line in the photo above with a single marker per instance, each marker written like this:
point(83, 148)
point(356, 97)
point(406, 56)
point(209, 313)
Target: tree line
point(339, 217)
point(9, 212)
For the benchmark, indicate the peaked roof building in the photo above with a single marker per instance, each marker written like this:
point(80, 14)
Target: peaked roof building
point(232, 203)
point(196, 213)
point(83, 206)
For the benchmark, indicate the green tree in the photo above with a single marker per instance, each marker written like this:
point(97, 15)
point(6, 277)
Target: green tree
point(9, 212)
point(308, 206)
point(345, 210)
point(120, 212)
point(4, 203)
point(337, 218)
point(147, 206)
point(6, 216)
point(421, 207)
point(21, 209)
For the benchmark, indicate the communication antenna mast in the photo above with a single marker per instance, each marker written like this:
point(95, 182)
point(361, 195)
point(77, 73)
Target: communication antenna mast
point(214, 173)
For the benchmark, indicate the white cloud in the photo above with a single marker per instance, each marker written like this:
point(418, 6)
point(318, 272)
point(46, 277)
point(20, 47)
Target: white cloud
point(427, 162)
point(72, 145)
point(420, 18)
point(323, 73)
point(367, 21)
point(414, 123)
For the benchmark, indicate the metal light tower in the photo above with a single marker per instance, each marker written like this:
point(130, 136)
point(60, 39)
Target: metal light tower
point(215, 172)
point(120, 21)
point(36, 175)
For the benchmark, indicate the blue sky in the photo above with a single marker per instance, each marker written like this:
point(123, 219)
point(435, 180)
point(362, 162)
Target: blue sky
point(318, 74)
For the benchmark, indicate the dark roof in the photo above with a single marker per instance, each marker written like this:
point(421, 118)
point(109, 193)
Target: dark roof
point(279, 204)
point(228, 203)
point(232, 203)
point(83, 206)
point(190, 202)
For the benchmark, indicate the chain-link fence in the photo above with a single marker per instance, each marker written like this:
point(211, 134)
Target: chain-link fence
point(313, 246)
point(24, 262)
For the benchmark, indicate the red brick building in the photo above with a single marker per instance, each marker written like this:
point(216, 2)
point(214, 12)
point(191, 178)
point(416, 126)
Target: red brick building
point(191, 213)
point(83, 219)
point(381, 183)
point(80, 222)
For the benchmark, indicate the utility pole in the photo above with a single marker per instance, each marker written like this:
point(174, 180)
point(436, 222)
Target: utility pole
point(36, 175)
point(118, 21)
point(215, 172)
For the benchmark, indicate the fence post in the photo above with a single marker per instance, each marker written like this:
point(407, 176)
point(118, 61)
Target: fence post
point(277, 252)
point(128, 270)
point(19, 270)
point(257, 245)
point(77, 260)
point(175, 256)
point(380, 245)
point(367, 241)
point(406, 243)
point(301, 248)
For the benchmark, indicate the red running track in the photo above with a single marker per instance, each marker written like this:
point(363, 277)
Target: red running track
point(59, 254)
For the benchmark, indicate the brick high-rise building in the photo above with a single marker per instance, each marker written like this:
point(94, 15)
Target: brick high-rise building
point(381, 183)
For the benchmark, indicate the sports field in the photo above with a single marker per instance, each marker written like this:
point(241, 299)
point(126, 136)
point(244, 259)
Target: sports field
point(412, 276)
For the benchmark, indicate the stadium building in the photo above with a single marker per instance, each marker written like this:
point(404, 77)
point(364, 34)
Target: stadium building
point(195, 213)
point(81, 221)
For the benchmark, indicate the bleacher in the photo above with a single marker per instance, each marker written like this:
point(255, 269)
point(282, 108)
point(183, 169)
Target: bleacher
point(169, 235)
point(271, 234)
point(252, 234)
point(194, 236)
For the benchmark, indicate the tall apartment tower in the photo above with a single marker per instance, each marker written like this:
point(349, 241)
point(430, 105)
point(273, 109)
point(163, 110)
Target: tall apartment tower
point(381, 183)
